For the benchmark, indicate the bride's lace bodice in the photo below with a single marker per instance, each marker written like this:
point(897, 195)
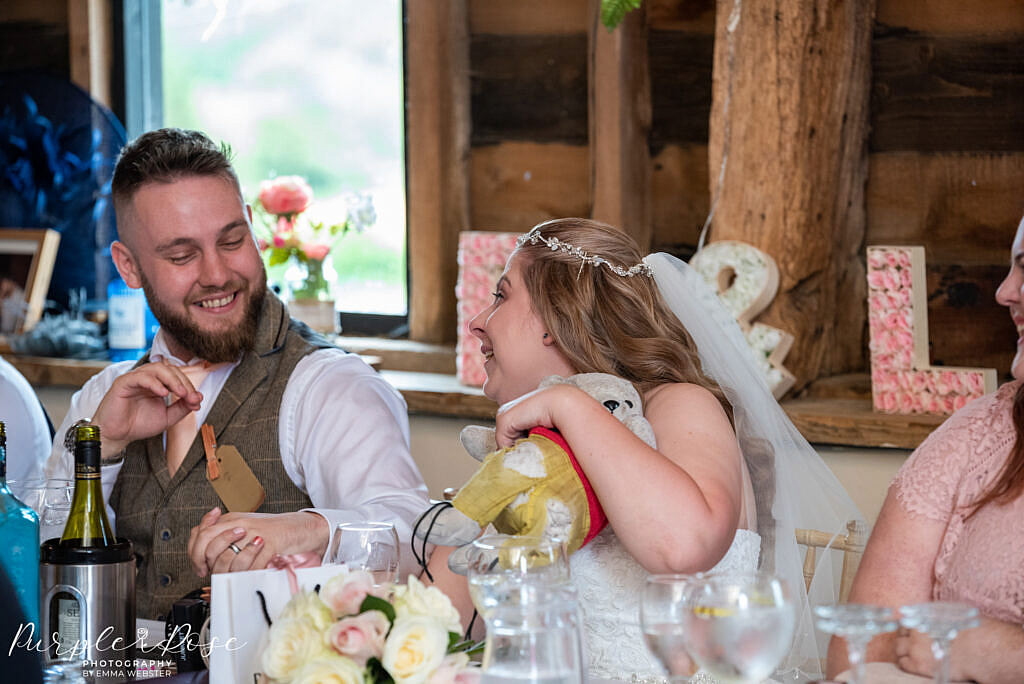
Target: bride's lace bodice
point(609, 583)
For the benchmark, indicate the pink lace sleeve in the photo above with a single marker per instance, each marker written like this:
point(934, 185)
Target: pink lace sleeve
point(930, 483)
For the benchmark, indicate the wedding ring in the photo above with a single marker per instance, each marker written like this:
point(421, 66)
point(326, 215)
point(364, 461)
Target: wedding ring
point(234, 547)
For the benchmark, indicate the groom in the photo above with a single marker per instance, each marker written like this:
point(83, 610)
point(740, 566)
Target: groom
point(325, 436)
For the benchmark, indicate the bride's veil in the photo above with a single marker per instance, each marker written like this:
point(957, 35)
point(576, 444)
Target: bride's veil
point(793, 487)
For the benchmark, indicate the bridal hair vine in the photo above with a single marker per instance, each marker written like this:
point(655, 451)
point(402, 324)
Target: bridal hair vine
point(534, 236)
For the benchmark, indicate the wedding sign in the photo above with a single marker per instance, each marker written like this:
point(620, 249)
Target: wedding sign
point(746, 280)
point(482, 257)
point(902, 378)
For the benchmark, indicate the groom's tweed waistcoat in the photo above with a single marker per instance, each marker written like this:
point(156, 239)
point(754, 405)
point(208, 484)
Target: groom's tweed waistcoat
point(157, 512)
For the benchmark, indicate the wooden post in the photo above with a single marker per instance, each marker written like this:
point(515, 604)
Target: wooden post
point(620, 121)
point(91, 46)
point(438, 152)
point(789, 117)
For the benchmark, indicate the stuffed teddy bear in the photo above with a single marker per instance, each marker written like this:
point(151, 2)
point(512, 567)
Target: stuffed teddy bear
point(534, 487)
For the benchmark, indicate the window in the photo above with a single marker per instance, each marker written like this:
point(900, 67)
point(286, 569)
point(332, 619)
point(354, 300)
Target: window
point(296, 87)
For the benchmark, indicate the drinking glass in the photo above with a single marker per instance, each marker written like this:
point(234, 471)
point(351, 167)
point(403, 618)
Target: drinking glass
point(663, 607)
point(50, 499)
point(942, 621)
point(857, 624)
point(370, 546)
point(500, 566)
point(739, 627)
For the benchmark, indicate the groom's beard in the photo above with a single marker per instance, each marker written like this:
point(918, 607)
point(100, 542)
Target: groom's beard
point(215, 347)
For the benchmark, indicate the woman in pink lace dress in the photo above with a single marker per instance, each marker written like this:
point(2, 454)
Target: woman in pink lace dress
point(952, 528)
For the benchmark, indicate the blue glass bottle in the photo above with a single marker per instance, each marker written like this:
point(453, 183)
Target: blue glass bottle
point(19, 539)
point(130, 323)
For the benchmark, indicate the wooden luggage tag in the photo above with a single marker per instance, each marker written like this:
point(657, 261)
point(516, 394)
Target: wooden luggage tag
point(231, 476)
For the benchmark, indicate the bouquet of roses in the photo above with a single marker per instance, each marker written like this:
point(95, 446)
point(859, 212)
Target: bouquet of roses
point(353, 632)
point(284, 232)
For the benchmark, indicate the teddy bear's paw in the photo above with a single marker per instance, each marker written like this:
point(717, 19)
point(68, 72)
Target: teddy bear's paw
point(448, 527)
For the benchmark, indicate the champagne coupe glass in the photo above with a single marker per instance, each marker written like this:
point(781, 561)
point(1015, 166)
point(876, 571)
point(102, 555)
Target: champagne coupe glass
point(663, 607)
point(857, 624)
point(739, 626)
point(501, 568)
point(370, 546)
point(942, 621)
point(50, 499)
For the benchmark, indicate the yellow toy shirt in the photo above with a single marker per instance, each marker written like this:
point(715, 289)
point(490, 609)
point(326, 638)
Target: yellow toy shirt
point(534, 487)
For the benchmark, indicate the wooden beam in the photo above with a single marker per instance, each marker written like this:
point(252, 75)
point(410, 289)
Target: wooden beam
point(620, 121)
point(527, 17)
point(529, 88)
point(516, 185)
point(789, 115)
point(953, 17)
point(91, 46)
point(680, 87)
point(940, 93)
point(437, 129)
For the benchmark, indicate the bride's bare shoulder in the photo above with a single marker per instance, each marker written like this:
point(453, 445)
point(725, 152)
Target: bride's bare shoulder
point(670, 397)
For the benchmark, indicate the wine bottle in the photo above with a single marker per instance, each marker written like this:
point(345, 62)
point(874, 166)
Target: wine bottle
point(19, 539)
point(88, 525)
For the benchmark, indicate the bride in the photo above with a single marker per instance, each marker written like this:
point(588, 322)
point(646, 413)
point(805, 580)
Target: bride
point(731, 477)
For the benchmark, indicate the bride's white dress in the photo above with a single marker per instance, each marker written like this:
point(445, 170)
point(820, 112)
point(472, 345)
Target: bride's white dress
point(609, 583)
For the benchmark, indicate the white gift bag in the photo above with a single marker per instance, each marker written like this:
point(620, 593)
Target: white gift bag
point(238, 628)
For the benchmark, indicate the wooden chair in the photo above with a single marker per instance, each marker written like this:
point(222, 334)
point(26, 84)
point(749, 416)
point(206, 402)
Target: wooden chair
point(852, 546)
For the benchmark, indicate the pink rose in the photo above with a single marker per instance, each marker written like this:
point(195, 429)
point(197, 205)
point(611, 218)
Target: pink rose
point(948, 404)
point(285, 195)
point(891, 259)
point(876, 280)
point(360, 637)
point(888, 401)
point(891, 280)
point(905, 402)
point(975, 384)
point(904, 258)
point(875, 259)
point(315, 251)
point(945, 382)
point(918, 381)
point(345, 593)
point(895, 321)
point(450, 669)
point(284, 225)
point(959, 401)
point(906, 279)
point(279, 240)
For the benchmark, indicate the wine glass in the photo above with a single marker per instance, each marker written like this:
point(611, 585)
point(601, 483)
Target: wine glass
point(50, 499)
point(739, 626)
point(858, 624)
point(942, 621)
point(663, 606)
point(370, 546)
point(501, 566)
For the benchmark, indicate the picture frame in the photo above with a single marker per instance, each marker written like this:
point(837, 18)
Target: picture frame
point(27, 256)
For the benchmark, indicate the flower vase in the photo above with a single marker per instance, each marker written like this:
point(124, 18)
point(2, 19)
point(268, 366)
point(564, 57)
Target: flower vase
point(311, 300)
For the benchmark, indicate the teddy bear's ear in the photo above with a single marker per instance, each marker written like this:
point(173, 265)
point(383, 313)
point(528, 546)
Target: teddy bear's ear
point(478, 441)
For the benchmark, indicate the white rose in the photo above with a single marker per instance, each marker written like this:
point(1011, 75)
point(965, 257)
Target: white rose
point(307, 604)
point(344, 594)
point(416, 599)
point(332, 669)
point(414, 649)
point(292, 643)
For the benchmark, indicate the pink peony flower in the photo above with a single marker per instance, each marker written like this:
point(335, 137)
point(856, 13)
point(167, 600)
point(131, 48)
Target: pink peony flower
point(315, 251)
point(345, 593)
point(359, 637)
point(286, 195)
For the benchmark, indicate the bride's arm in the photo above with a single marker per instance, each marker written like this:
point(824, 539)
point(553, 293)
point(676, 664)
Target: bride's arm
point(676, 508)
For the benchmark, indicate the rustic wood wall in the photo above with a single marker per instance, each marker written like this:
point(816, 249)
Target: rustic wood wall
point(946, 164)
point(947, 160)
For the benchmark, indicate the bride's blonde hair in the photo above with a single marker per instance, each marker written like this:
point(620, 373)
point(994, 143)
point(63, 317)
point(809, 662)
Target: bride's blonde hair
point(602, 321)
